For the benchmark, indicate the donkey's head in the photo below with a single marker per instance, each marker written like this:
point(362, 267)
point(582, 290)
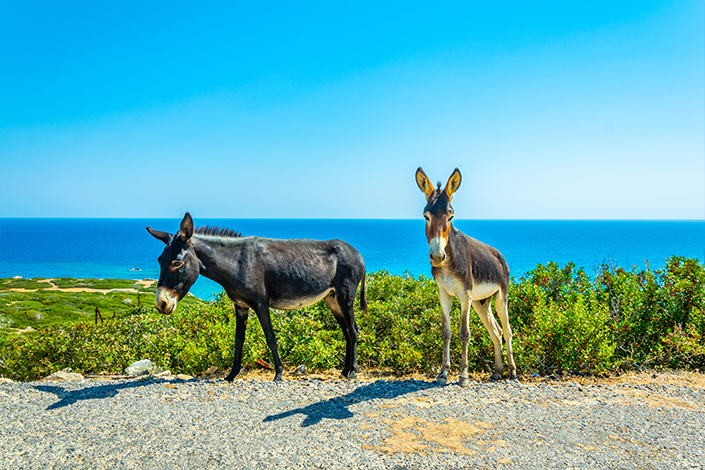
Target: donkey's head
point(438, 213)
point(179, 266)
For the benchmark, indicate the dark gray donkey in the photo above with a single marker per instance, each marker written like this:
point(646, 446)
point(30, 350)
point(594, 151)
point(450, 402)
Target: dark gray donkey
point(263, 273)
point(468, 269)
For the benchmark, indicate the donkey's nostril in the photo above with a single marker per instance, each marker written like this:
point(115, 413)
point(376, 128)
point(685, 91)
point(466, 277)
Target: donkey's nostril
point(437, 256)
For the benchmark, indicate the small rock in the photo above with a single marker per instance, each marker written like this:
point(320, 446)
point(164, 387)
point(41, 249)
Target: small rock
point(3, 380)
point(301, 369)
point(143, 367)
point(166, 373)
point(65, 375)
point(184, 377)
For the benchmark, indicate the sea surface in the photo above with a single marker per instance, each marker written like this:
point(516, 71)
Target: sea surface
point(122, 248)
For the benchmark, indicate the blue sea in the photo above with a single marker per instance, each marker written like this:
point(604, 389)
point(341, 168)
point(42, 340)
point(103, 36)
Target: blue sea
point(122, 248)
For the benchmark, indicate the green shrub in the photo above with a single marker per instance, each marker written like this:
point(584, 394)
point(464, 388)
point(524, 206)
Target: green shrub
point(561, 318)
point(652, 309)
point(559, 321)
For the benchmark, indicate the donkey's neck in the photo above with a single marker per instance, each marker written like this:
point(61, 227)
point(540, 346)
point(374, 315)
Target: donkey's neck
point(216, 253)
point(458, 258)
point(454, 237)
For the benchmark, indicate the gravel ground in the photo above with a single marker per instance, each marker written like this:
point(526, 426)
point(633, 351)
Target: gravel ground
point(382, 424)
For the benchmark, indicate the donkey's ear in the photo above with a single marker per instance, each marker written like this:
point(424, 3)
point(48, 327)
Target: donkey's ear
point(186, 229)
point(424, 183)
point(163, 236)
point(453, 183)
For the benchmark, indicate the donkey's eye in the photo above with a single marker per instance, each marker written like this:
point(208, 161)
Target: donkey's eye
point(176, 264)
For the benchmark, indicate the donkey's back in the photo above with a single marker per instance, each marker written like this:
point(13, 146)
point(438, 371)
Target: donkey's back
point(295, 273)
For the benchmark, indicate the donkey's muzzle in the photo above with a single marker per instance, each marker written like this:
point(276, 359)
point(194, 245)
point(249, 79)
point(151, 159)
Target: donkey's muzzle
point(437, 259)
point(165, 300)
point(438, 252)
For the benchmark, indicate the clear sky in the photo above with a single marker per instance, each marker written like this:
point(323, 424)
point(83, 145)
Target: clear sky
point(558, 110)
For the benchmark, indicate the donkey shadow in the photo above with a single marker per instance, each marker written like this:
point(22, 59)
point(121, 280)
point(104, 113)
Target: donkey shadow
point(338, 407)
point(333, 408)
point(97, 392)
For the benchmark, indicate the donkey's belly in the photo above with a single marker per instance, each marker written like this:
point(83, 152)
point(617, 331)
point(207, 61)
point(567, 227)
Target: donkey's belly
point(456, 287)
point(299, 301)
point(483, 290)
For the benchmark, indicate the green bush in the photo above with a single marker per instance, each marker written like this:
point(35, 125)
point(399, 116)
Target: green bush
point(562, 321)
point(654, 310)
point(559, 321)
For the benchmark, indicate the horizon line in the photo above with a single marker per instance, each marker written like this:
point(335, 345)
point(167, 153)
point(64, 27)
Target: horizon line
point(546, 219)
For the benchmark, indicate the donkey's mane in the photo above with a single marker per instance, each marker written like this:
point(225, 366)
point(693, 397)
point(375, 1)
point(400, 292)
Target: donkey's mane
point(222, 232)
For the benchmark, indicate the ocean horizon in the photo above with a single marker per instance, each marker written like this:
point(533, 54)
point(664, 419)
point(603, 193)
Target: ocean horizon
point(122, 248)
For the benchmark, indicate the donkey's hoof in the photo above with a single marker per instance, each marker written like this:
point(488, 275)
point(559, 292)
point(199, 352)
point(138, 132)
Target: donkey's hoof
point(233, 373)
point(464, 382)
point(352, 375)
point(278, 377)
point(496, 376)
point(513, 376)
point(441, 380)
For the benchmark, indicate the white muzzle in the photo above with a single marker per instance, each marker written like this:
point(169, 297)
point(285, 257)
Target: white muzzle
point(165, 300)
point(438, 251)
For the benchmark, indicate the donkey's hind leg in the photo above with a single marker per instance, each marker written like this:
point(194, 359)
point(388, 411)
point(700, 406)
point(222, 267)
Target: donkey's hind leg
point(482, 307)
point(345, 316)
point(500, 304)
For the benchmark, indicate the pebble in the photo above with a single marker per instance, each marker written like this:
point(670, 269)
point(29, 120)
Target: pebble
point(387, 424)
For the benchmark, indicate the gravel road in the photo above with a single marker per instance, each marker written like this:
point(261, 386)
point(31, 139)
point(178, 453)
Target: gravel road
point(332, 424)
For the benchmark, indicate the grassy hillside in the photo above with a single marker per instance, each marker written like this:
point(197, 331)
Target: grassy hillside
point(40, 302)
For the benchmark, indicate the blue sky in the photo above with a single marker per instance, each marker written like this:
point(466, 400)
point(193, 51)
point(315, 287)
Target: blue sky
point(551, 110)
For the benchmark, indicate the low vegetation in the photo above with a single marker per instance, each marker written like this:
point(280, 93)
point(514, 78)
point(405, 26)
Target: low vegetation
point(563, 321)
point(40, 302)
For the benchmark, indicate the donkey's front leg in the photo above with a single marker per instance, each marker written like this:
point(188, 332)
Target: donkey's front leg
point(444, 296)
point(241, 316)
point(464, 381)
point(265, 320)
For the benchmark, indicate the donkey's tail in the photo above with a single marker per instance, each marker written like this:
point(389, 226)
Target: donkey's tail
point(363, 297)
